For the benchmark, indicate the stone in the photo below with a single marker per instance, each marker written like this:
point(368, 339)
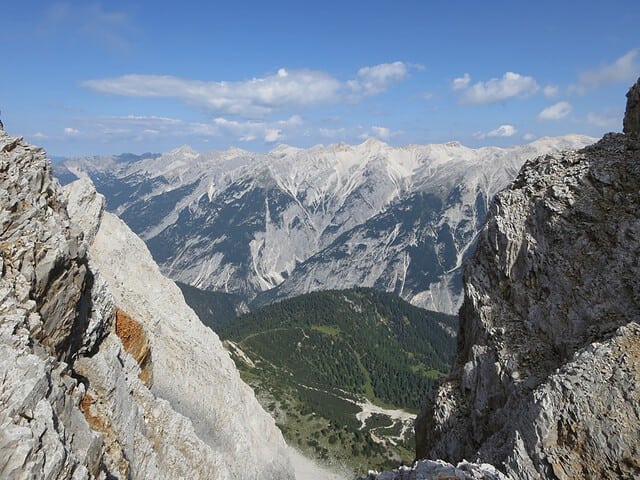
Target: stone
point(439, 470)
point(631, 122)
point(84, 314)
point(545, 380)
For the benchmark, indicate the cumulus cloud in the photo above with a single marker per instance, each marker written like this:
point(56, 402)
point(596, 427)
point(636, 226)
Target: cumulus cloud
point(496, 89)
point(71, 132)
point(556, 111)
point(623, 70)
point(374, 80)
point(460, 83)
point(551, 91)
point(529, 137)
point(257, 97)
point(505, 130)
point(252, 98)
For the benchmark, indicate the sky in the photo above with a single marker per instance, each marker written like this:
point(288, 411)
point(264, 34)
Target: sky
point(88, 78)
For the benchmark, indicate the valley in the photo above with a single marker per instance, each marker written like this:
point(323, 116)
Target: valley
point(342, 372)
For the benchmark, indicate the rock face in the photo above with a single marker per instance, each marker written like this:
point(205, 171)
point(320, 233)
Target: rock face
point(631, 123)
point(104, 371)
point(546, 383)
point(439, 470)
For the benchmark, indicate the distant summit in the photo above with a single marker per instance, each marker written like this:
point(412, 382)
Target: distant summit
point(292, 221)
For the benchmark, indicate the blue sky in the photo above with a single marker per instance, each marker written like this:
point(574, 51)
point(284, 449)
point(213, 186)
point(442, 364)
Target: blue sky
point(82, 77)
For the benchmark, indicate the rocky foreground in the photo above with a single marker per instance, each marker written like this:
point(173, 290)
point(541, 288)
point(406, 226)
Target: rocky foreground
point(104, 371)
point(547, 379)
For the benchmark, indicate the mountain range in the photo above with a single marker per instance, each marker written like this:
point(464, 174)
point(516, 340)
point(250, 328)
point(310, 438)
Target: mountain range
point(291, 221)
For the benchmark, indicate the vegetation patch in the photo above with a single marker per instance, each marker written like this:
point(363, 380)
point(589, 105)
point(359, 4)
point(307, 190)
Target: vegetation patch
point(314, 360)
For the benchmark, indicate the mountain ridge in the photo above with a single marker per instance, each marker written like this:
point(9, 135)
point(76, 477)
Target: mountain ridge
point(96, 360)
point(243, 223)
point(545, 380)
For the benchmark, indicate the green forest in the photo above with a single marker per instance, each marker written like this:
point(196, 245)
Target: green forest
point(311, 359)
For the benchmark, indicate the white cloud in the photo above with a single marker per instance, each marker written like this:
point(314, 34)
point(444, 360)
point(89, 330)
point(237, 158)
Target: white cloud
point(460, 83)
point(556, 111)
point(381, 133)
point(248, 131)
point(148, 120)
point(625, 69)
point(497, 89)
point(505, 130)
point(551, 91)
point(71, 132)
point(39, 135)
point(529, 137)
point(378, 78)
point(257, 97)
point(140, 128)
point(272, 135)
point(252, 98)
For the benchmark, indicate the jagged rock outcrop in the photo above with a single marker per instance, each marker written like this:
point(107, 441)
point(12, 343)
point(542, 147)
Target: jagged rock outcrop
point(546, 379)
point(631, 122)
point(439, 470)
point(104, 371)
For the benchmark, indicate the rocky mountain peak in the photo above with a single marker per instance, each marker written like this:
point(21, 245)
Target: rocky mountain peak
point(546, 380)
point(104, 370)
point(631, 123)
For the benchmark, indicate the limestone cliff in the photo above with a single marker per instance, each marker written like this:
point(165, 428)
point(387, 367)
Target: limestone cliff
point(104, 371)
point(546, 383)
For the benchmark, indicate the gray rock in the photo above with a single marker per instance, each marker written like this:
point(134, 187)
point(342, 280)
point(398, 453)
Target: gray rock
point(439, 470)
point(631, 123)
point(545, 382)
point(72, 405)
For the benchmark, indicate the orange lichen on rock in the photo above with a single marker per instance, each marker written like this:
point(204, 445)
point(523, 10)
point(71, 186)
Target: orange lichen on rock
point(91, 410)
point(135, 342)
point(94, 420)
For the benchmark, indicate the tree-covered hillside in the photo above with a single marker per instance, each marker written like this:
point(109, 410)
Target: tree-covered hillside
point(363, 341)
point(212, 307)
point(319, 361)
